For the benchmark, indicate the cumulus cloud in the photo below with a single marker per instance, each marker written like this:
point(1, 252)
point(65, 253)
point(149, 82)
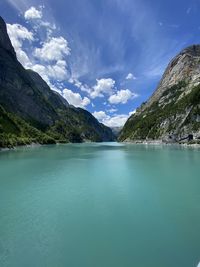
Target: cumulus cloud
point(100, 115)
point(54, 49)
point(121, 96)
point(58, 71)
point(49, 60)
point(18, 34)
point(103, 86)
point(75, 99)
point(130, 76)
point(55, 71)
point(117, 120)
point(111, 121)
point(41, 69)
point(32, 13)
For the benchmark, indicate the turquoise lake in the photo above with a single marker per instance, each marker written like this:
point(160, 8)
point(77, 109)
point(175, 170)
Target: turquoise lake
point(100, 205)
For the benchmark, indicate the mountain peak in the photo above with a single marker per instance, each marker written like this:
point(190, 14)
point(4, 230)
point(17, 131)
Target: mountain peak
point(172, 112)
point(183, 67)
point(193, 50)
point(5, 42)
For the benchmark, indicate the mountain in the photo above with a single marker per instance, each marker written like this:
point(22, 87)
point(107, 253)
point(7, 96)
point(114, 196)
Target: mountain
point(31, 112)
point(116, 130)
point(172, 114)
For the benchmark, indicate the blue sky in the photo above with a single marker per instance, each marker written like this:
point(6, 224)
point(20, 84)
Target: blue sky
point(106, 56)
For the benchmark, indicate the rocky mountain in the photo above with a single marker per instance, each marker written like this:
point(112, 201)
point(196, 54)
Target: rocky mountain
point(172, 114)
point(31, 112)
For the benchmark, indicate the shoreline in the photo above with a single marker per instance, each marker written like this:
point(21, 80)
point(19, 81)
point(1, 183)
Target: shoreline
point(136, 142)
point(2, 149)
point(160, 142)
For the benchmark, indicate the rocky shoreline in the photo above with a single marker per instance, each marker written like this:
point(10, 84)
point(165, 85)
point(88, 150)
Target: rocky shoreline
point(160, 142)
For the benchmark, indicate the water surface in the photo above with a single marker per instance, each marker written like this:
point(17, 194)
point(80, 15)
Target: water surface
point(100, 205)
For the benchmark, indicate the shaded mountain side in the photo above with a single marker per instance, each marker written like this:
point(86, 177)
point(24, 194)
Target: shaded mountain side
point(52, 97)
point(79, 125)
point(25, 96)
point(172, 114)
point(15, 131)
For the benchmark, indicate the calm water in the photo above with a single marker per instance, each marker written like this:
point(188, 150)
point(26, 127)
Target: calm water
point(100, 205)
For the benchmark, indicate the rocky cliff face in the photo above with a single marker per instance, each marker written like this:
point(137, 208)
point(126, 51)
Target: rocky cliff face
point(5, 42)
point(26, 95)
point(173, 112)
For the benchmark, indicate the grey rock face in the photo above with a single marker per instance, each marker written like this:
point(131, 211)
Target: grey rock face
point(5, 42)
point(184, 67)
point(172, 112)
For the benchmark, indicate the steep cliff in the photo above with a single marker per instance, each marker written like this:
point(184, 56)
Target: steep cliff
point(172, 114)
point(26, 97)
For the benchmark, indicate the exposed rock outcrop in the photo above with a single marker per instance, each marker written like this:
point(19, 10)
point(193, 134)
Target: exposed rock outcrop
point(173, 112)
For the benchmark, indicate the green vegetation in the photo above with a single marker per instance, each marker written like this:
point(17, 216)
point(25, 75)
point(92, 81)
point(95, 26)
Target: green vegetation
point(30, 112)
point(148, 124)
point(75, 126)
point(14, 132)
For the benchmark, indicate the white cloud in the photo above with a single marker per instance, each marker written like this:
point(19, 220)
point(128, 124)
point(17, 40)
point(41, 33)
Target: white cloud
point(54, 49)
point(132, 112)
point(45, 74)
point(55, 69)
point(117, 120)
point(100, 115)
point(76, 82)
point(58, 71)
point(130, 76)
point(112, 110)
point(18, 34)
point(75, 99)
point(121, 96)
point(80, 85)
point(32, 13)
point(103, 86)
point(42, 71)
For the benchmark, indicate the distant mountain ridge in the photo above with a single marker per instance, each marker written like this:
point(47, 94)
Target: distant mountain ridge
point(27, 100)
point(172, 113)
